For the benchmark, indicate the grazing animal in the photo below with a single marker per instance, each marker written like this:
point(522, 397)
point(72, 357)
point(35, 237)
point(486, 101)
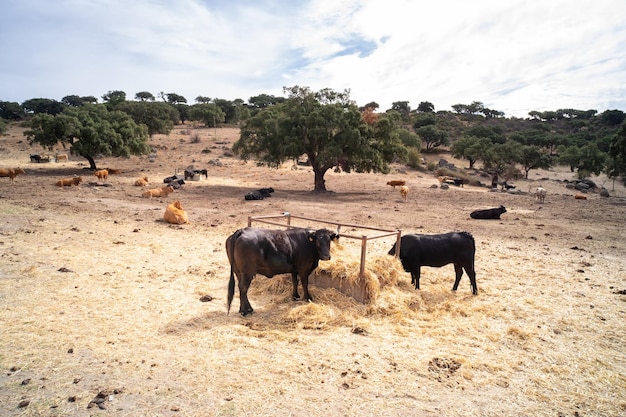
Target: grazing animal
point(175, 214)
point(488, 214)
point(102, 174)
point(68, 182)
point(61, 158)
point(541, 194)
point(189, 173)
point(114, 171)
point(456, 248)
point(268, 252)
point(39, 158)
point(506, 186)
point(158, 192)
point(396, 183)
point(451, 180)
point(167, 180)
point(11, 172)
point(404, 191)
point(259, 194)
point(177, 184)
point(141, 182)
point(580, 196)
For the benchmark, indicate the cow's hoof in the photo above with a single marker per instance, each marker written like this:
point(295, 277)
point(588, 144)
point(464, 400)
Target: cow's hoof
point(296, 298)
point(246, 312)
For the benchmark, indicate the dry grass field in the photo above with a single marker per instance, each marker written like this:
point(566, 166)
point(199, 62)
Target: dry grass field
point(105, 309)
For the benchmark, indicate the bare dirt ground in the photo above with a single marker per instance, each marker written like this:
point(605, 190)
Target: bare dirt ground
point(107, 310)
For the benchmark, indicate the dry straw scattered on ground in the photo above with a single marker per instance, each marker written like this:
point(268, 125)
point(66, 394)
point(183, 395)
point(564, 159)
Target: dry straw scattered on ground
point(105, 309)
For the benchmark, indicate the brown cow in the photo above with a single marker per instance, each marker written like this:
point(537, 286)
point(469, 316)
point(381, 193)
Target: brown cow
point(158, 192)
point(141, 182)
point(61, 158)
point(404, 191)
point(395, 183)
point(102, 174)
point(11, 172)
point(68, 182)
point(175, 214)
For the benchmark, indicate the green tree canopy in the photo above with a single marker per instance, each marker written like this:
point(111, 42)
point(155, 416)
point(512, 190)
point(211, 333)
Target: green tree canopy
point(210, 114)
point(531, 157)
point(471, 148)
point(114, 97)
point(144, 96)
point(425, 107)
point(617, 153)
point(502, 155)
point(158, 117)
point(432, 137)
point(11, 110)
point(72, 100)
point(43, 105)
point(174, 98)
point(90, 130)
point(327, 127)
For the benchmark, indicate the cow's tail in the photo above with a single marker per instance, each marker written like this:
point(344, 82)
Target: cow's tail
point(231, 289)
point(230, 251)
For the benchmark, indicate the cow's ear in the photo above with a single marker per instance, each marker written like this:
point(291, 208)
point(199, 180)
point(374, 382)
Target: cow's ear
point(311, 236)
point(334, 236)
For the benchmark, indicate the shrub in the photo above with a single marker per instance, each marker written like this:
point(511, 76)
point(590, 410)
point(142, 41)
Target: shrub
point(415, 158)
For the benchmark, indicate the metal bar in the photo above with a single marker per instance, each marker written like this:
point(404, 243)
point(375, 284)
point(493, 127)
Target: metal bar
point(368, 237)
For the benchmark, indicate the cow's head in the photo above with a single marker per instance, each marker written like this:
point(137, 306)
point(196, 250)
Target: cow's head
point(502, 209)
point(322, 239)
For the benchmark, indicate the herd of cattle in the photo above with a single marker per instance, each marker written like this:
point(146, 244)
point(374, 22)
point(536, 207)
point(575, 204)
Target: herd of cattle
point(297, 251)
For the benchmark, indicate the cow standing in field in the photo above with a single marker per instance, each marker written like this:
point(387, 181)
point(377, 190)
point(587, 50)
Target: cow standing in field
point(102, 174)
point(11, 173)
point(268, 252)
point(456, 248)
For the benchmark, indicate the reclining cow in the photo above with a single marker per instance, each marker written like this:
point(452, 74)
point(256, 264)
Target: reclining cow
point(269, 252)
point(488, 214)
point(259, 194)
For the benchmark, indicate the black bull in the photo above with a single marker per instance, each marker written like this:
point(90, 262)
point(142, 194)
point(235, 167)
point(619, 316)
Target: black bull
point(458, 248)
point(268, 252)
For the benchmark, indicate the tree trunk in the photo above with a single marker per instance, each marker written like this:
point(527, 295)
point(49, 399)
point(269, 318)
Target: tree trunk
point(92, 163)
point(320, 182)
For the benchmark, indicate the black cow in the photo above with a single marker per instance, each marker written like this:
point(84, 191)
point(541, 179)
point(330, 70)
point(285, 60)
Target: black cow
point(259, 194)
point(458, 248)
point(189, 173)
point(169, 179)
point(488, 214)
point(268, 252)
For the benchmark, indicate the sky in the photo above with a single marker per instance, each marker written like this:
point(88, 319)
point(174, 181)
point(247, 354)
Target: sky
point(514, 56)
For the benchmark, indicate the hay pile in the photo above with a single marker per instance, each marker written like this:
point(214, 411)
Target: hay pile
point(388, 288)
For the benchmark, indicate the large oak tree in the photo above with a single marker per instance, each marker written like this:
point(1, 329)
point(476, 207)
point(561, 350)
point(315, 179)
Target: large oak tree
point(327, 127)
point(90, 130)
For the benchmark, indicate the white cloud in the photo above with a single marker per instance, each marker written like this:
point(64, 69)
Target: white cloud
point(514, 56)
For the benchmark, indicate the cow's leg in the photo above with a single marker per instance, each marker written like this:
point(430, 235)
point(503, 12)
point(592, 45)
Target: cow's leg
point(472, 276)
point(294, 280)
point(244, 305)
point(459, 272)
point(415, 278)
point(305, 288)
